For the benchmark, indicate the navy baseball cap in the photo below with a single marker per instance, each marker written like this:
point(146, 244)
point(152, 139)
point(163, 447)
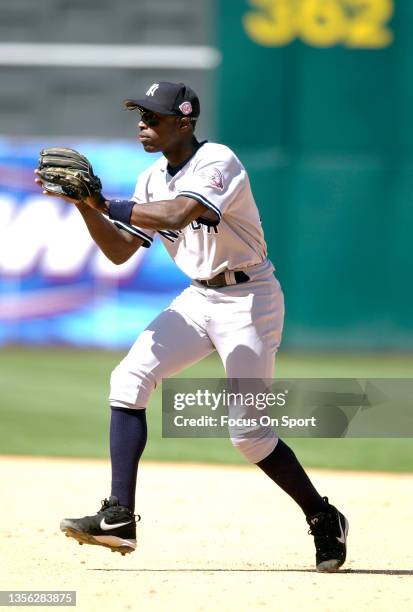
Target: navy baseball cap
point(168, 99)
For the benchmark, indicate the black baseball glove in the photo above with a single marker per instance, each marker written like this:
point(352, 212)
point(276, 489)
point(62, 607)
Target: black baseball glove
point(67, 172)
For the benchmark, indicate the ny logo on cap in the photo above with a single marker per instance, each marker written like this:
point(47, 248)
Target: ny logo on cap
point(152, 89)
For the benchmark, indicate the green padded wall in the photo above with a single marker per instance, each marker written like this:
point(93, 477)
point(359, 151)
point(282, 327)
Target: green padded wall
point(316, 96)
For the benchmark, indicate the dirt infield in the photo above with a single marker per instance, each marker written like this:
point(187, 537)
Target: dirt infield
point(211, 538)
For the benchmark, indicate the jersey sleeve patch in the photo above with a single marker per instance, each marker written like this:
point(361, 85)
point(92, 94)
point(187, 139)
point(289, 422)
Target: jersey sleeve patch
point(213, 177)
point(136, 231)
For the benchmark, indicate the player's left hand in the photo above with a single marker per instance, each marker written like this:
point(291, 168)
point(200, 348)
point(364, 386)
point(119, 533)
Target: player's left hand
point(97, 201)
point(45, 192)
point(68, 174)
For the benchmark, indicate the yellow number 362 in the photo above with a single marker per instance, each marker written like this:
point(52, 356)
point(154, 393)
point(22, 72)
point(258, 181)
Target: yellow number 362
point(358, 24)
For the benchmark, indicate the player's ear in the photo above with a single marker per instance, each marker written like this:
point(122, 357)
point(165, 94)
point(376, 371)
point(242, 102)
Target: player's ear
point(184, 123)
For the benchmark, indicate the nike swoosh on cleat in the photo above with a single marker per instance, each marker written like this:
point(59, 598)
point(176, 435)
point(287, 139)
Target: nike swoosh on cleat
point(105, 527)
point(342, 538)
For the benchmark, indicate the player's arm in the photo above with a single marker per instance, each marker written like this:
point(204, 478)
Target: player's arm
point(60, 180)
point(168, 214)
point(163, 215)
point(115, 243)
point(66, 173)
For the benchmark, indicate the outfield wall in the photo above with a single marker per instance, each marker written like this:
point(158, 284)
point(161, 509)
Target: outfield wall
point(316, 98)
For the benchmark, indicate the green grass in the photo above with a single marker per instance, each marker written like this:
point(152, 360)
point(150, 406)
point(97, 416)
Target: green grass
point(54, 402)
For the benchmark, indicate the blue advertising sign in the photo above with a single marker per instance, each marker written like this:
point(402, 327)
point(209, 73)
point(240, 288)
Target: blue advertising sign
point(55, 284)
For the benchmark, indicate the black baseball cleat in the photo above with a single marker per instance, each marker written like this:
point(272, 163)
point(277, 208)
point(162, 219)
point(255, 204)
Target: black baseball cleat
point(113, 526)
point(330, 529)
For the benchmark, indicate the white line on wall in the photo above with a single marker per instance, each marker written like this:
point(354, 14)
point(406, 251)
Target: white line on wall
point(109, 56)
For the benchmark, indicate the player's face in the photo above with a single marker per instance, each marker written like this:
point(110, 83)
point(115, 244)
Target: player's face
point(159, 133)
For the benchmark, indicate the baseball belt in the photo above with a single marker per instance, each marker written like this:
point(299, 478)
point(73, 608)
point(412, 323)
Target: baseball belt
point(220, 280)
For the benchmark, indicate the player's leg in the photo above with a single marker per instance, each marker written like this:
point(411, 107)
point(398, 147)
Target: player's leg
point(171, 342)
point(175, 339)
point(246, 329)
point(248, 352)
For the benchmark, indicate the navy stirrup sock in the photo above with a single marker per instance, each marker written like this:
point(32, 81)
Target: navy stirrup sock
point(283, 467)
point(128, 435)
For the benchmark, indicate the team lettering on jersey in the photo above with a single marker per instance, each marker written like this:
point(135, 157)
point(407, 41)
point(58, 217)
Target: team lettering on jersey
point(195, 226)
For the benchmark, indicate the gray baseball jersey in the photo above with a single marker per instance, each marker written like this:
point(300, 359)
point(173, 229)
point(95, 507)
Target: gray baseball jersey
point(228, 236)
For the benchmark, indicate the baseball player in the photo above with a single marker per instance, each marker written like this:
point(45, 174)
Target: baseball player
point(197, 198)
